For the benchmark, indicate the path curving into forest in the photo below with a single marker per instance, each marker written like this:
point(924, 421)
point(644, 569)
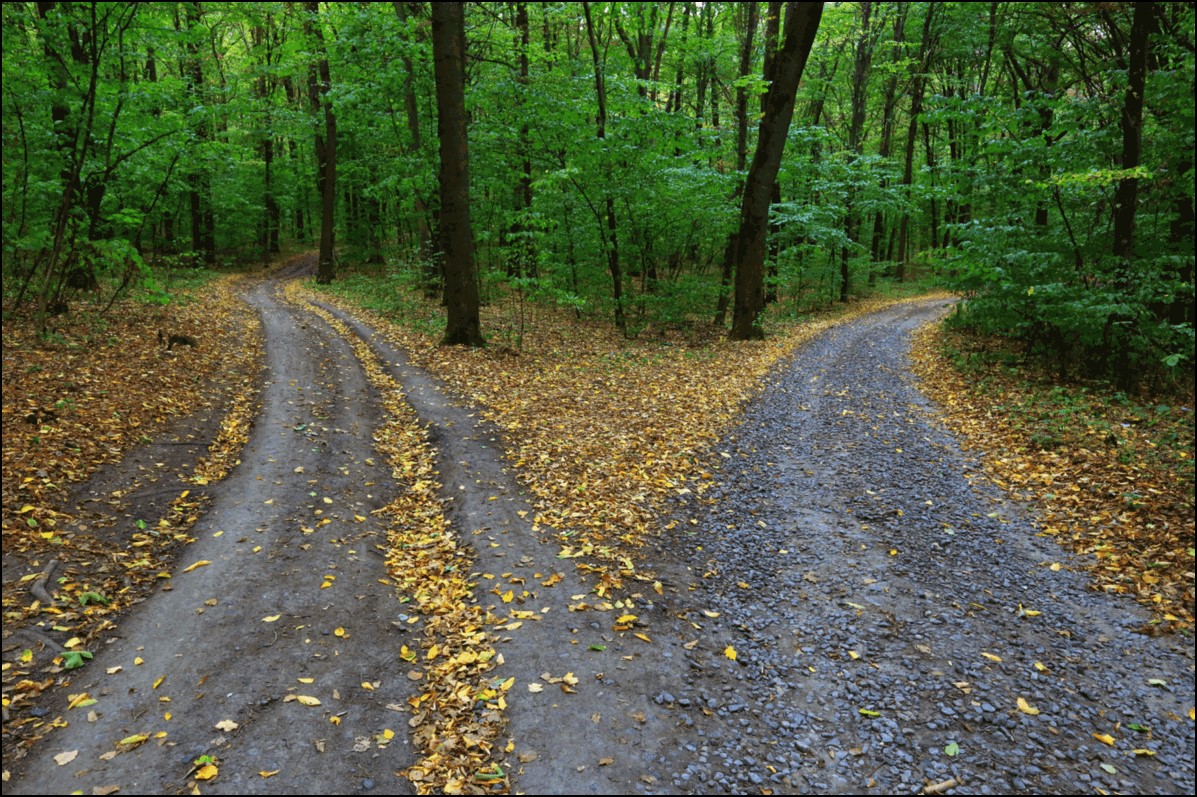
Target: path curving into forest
point(868, 583)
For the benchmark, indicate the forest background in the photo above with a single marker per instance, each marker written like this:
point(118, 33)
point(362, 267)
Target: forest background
point(1036, 157)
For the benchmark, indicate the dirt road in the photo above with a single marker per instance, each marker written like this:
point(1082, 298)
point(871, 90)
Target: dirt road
point(879, 607)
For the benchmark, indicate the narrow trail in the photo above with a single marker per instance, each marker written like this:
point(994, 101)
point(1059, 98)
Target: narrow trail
point(284, 520)
point(846, 558)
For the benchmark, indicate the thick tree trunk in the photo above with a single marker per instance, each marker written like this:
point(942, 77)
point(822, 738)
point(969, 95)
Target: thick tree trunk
point(748, 245)
point(749, 33)
point(462, 326)
point(319, 85)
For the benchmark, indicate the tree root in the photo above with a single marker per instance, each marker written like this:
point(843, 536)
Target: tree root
point(38, 587)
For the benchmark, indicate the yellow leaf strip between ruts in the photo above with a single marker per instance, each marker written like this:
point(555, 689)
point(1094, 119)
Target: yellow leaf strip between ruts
point(604, 430)
point(458, 715)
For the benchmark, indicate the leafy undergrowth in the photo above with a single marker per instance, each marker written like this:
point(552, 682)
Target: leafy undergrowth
point(81, 398)
point(457, 716)
point(1110, 477)
point(603, 430)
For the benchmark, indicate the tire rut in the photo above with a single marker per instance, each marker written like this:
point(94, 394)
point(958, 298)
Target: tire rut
point(283, 523)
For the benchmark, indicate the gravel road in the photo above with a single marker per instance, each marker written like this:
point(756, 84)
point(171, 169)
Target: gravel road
point(857, 564)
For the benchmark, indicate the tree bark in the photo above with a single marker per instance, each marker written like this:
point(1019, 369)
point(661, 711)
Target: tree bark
point(917, 88)
point(319, 84)
point(612, 243)
point(747, 247)
point(462, 326)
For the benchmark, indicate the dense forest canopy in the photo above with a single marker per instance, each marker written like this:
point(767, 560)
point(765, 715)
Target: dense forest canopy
point(1038, 157)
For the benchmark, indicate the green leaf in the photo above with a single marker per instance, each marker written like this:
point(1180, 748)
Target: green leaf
point(92, 597)
point(869, 713)
point(75, 659)
point(1110, 768)
point(1134, 726)
point(952, 749)
point(598, 647)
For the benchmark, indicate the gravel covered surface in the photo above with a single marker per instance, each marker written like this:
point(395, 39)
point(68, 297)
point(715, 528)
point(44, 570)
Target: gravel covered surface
point(854, 558)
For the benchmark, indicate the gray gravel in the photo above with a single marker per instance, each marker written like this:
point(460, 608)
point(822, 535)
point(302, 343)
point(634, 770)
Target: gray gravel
point(857, 561)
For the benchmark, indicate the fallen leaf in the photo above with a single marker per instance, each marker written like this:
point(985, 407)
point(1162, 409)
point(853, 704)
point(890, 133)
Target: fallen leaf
point(1104, 737)
point(869, 713)
point(272, 618)
point(1026, 708)
point(534, 687)
point(228, 726)
point(207, 772)
point(308, 700)
point(730, 652)
point(62, 759)
point(952, 749)
point(200, 563)
point(990, 656)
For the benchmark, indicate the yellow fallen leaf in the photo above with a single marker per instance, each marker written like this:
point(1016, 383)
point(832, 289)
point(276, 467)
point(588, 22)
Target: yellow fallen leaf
point(626, 618)
point(134, 740)
point(272, 618)
point(508, 596)
point(335, 720)
point(853, 654)
point(200, 563)
point(207, 772)
point(269, 774)
point(308, 700)
point(387, 733)
point(138, 660)
point(1026, 708)
point(730, 652)
point(1055, 566)
point(1143, 751)
point(1040, 666)
point(369, 687)
point(228, 726)
point(306, 680)
point(710, 613)
point(158, 682)
point(535, 688)
point(743, 585)
point(340, 632)
point(990, 656)
point(1104, 737)
point(62, 759)
point(642, 637)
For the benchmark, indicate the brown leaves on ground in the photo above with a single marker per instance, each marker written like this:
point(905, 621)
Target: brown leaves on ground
point(79, 398)
point(1110, 478)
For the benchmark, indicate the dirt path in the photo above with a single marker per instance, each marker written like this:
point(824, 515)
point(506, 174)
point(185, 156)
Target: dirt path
point(309, 460)
point(848, 563)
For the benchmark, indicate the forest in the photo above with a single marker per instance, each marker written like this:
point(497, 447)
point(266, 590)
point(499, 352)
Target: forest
point(1036, 158)
point(626, 397)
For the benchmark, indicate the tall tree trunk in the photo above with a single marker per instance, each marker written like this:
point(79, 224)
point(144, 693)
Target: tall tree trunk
point(865, 42)
point(749, 33)
point(521, 259)
point(462, 326)
point(747, 247)
point(319, 85)
point(887, 124)
point(917, 88)
point(611, 244)
point(203, 233)
point(1126, 197)
point(433, 278)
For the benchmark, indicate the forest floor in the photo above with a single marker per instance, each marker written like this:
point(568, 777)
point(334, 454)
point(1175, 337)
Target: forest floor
point(586, 566)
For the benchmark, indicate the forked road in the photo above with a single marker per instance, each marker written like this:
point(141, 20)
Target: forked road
point(869, 592)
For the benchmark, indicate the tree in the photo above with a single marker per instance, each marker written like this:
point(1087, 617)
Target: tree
point(319, 85)
point(747, 248)
point(456, 236)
